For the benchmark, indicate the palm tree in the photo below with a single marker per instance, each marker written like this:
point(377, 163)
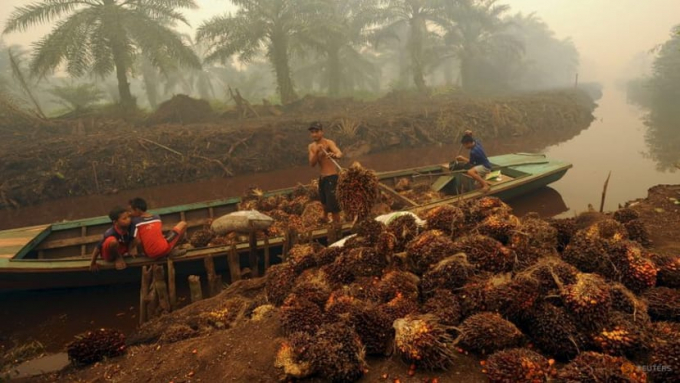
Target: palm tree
point(475, 29)
point(103, 36)
point(415, 14)
point(274, 24)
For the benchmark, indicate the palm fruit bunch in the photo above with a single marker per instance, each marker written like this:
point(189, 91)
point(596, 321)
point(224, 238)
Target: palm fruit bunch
point(364, 288)
point(477, 210)
point(499, 227)
point(487, 254)
point(486, 333)
point(446, 218)
point(366, 262)
point(386, 244)
point(595, 367)
point(250, 198)
point(302, 256)
point(553, 331)
point(405, 229)
point(327, 255)
point(293, 355)
point(313, 215)
point(399, 307)
point(310, 190)
point(668, 267)
point(566, 229)
point(445, 306)
point(340, 306)
point(625, 301)
point(637, 231)
point(549, 269)
point(663, 303)
point(623, 336)
point(357, 191)
point(374, 329)
point(632, 267)
point(280, 282)
point(473, 295)
point(450, 273)
point(588, 254)
point(201, 238)
point(176, 333)
point(266, 204)
point(338, 354)
point(513, 297)
point(402, 184)
point(534, 239)
point(665, 356)
point(626, 215)
point(339, 272)
point(589, 300)
point(427, 249)
point(518, 365)
point(295, 206)
point(313, 286)
point(369, 229)
point(93, 346)
point(424, 341)
point(394, 283)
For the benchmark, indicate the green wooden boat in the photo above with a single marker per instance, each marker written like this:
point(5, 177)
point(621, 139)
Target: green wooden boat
point(57, 255)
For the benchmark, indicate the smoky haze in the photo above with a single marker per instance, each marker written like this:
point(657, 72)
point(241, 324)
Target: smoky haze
point(607, 33)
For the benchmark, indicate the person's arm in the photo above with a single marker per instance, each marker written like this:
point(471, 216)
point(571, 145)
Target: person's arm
point(462, 159)
point(334, 150)
point(93, 261)
point(313, 155)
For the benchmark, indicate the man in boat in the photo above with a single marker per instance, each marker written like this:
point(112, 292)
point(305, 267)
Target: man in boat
point(324, 152)
point(478, 163)
point(147, 230)
point(115, 242)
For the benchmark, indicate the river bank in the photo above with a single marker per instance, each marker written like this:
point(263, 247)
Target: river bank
point(247, 348)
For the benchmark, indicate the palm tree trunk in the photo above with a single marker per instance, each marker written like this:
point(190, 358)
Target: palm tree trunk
point(334, 72)
point(279, 57)
point(126, 99)
point(416, 48)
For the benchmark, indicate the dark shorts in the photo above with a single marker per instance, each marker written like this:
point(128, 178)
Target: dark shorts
point(327, 186)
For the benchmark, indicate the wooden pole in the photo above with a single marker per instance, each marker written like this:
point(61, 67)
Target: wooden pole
point(172, 287)
point(214, 281)
point(195, 288)
point(143, 291)
point(234, 264)
point(267, 260)
point(253, 258)
point(286, 244)
point(161, 288)
point(604, 192)
point(332, 235)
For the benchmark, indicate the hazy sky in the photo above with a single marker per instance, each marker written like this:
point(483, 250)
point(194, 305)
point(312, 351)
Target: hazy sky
point(608, 33)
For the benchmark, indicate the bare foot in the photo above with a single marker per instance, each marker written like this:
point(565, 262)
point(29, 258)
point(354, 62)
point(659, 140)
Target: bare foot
point(486, 189)
point(120, 264)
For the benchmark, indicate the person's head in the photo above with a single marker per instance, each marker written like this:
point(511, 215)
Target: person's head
point(137, 207)
point(316, 131)
point(467, 141)
point(120, 216)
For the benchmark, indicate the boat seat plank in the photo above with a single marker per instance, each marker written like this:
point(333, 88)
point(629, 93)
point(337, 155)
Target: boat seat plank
point(12, 241)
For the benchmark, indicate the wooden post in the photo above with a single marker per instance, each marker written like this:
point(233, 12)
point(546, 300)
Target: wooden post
point(234, 264)
point(143, 291)
point(83, 247)
point(604, 192)
point(151, 300)
point(286, 244)
point(195, 288)
point(267, 260)
point(214, 280)
point(161, 288)
point(331, 234)
point(253, 258)
point(172, 287)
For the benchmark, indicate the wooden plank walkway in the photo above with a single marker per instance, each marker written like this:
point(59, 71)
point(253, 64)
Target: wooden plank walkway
point(12, 241)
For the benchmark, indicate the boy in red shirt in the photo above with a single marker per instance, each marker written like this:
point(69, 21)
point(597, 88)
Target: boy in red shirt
point(147, 229)
point(115, 242)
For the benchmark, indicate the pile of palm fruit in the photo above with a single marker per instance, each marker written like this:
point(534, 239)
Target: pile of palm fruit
point(93, 346)
point(562, 300)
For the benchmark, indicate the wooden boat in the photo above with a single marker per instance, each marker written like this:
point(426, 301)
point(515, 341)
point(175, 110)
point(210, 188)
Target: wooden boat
point(57, 255)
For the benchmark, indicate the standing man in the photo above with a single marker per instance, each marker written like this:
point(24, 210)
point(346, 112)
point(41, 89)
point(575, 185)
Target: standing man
point(321, 151)
point(479, 163)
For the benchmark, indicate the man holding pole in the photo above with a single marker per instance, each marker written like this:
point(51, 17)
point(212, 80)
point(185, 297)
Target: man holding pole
point(324, 152)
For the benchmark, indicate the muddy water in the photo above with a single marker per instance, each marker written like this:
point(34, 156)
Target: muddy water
point(614, 142)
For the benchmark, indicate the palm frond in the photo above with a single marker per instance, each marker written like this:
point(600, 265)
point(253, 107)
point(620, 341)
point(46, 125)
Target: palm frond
point(38, 13)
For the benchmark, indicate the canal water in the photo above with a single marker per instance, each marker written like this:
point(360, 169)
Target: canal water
point(613, 143)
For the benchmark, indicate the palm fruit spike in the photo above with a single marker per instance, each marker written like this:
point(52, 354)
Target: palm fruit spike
point(93, 346)
point(357, 191)
point(446, 218)
point(623, 336)
point(632, 267)
point(668, 266)
point(588, 253)
point(498, 227)
point(280, 281)
point(476, 210)
point(369, 229)
point(374, 328)
point(398, 282)
point(293, 355)
point(473, 295)
point(547, 270)
point(313, 286)
point(487, 254)
point(366, 262)
point(445, 306)
point(450, 273)
point(663, 303)
point(625, 301)
point(637, 231)
point(338, 354)
point(553, 331)
point(486, 333)
point(404, 228)
point(626, 215)
point(566, 228)
point(532, 240)
point(303, 256)
point(512, 298)
point(594, 367)
point(424, 341)
point(339, 272)
point(608, 229)
point(399, 307)
point(427, 249)
point(518, 365)
point(589, 299)
point(327, 255)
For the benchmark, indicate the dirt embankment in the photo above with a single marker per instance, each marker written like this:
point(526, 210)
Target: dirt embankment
point(90, 156)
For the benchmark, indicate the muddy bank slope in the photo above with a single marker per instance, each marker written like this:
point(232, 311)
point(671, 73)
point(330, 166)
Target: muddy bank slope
point(85, 157)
